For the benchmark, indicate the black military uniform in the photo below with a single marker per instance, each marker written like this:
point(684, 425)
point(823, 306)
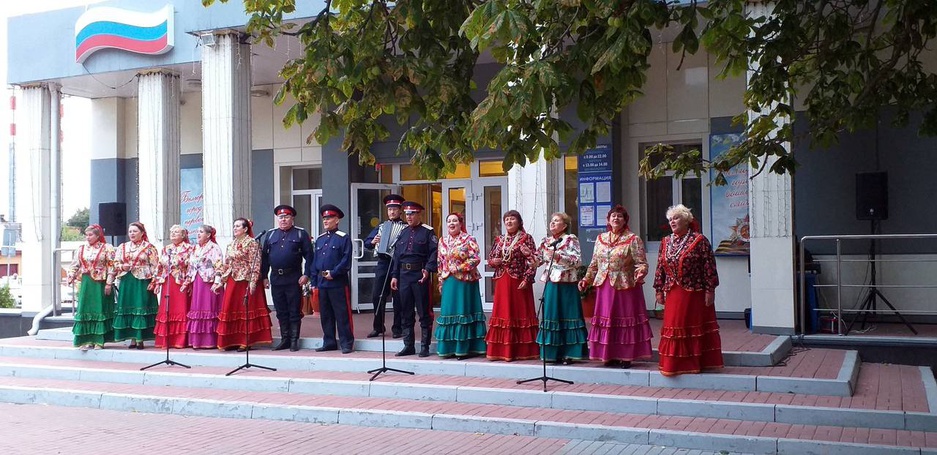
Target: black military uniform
point(414, 252)
point(330, 274)
point(381, 287)
point(282, 256)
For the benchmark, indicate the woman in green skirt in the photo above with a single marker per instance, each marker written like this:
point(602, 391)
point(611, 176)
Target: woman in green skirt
point(563, 333)
point(136, 262)
point(460, 329)
point(94, 267)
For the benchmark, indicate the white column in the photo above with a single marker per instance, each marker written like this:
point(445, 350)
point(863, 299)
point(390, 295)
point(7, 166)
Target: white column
point(226, 127)
point(34, 180)
point(159, 144)
point(772, 239)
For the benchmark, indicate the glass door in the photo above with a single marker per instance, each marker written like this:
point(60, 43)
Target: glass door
point(307, 203)
point(367, 203)
point(482, 202)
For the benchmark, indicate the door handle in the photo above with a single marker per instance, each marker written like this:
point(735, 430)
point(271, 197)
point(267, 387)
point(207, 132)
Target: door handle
point(358, 252)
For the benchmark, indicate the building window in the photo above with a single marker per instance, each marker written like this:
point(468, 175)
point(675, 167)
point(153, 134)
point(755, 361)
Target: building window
point(493, 168)
point(668, 190)
point(308, 178)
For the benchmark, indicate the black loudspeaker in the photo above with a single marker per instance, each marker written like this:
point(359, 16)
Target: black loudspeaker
point(872, 196)
point(112, 216)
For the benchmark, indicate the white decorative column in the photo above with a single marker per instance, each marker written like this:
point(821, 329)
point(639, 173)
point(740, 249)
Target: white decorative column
point(226, 129)
point(772, 239)
point(34, 196)
point(159, 146)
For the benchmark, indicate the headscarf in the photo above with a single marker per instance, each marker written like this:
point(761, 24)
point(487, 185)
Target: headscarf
point(98, 231)
point(142, 229)
point(618, 208)
point(211, 232)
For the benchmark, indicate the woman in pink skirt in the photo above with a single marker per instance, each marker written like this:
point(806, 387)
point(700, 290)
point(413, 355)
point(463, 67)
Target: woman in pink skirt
point(203, 313)
point(620, 330)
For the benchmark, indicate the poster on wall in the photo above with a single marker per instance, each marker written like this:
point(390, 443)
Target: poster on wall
point(191, 200)
point(730, 218)
point(595, 186)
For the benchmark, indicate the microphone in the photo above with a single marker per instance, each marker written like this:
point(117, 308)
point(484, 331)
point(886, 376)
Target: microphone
point(556, 242)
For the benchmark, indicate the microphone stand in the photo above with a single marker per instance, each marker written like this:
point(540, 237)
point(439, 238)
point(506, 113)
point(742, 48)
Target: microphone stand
point(166, 338)
point(247, 326)
point(544, 377)
point(383, 300)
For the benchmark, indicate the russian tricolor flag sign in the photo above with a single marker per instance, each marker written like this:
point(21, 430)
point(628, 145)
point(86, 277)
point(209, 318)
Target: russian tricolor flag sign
point(142, 33)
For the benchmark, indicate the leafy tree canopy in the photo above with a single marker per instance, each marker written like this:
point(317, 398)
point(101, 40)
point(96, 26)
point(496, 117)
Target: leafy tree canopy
point(414, 60)
point(79, 219)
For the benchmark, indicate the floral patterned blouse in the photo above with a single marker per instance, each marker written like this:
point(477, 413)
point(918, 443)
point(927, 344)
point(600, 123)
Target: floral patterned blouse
point(203, 260)
point(174, 261)
point(142, 257)
point(459, 257)
point(241, 262)
point(95, 260)
point(566, 256)
point(686, 261)
point(518, 253)
point(618, 258)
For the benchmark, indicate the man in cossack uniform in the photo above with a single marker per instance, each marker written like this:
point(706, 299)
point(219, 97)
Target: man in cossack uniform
point(330, 275)
point(414, 261)
point(381, 288)
point(283, 251)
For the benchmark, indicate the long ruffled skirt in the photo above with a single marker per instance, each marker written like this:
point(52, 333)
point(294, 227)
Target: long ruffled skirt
point(563, 333)
point(203, 315)
point(234, 321)
point(94, 317)
point(689, 337)
point(512, 330)
point(136, 310)
point(460, 328)
point(620, 327)
point(171, 327)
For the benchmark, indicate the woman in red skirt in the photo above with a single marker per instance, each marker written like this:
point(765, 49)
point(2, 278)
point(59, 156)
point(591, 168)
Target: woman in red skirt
point(685, 283)
point(512, 330)
point(171, 276)
point(238, 326)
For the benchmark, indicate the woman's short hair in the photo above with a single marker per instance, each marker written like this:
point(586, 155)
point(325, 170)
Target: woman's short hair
point(566, 219)
point(618, 208)
point(680, 211)
point(515, 214)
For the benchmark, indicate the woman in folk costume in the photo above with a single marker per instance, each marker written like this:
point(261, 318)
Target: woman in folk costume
point(240, 271)
point(94, 267)
point(512, 330)
point(685, 283)
point(202, 319)
point(563, 333)
point(171, 276)
point(136, 261)
point(460, 328)
point(620, 331)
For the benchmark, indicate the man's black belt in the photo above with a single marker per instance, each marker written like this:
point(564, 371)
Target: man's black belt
point(282, 272)
point(411, 266)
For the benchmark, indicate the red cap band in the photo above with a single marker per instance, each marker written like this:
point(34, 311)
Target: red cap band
point(393, 202)
point(329, 213)
point(284, 212)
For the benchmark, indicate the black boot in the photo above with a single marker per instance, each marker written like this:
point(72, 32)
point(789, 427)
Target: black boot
point(408, 348)
point(284, 337)
point(426, 336)
point(294, 335)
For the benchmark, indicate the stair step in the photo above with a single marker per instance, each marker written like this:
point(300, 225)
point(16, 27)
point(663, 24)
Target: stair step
point(673, 431)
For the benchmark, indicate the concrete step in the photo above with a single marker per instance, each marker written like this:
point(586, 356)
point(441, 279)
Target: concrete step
point(839, 381)
point(773, 353)
point(747, 406)
point(684, 432)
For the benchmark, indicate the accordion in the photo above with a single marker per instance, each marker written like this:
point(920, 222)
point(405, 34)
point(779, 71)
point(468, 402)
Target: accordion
point(389, 231)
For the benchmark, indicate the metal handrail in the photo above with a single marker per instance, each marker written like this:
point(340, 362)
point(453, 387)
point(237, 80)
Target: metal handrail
point(839, 271)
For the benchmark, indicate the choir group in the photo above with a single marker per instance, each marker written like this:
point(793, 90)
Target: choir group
point(200, 296)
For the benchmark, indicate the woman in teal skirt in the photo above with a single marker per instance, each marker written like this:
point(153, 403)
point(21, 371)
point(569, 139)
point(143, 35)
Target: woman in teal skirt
point(460, 329)
point(563, 335)
point(136, 262)
point(94, 267)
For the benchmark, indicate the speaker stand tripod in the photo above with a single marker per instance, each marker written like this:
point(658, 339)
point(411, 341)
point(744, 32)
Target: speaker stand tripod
point(869, 305)
point(543, 357)
point(382, 303)
point(166, 337)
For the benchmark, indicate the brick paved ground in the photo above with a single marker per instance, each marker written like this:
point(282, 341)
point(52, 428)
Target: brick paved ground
point(51, 429)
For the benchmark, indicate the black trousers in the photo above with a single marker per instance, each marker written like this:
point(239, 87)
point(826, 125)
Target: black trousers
point(380, 300)
point(414, 296)
point(287, 300)
point(334, 312)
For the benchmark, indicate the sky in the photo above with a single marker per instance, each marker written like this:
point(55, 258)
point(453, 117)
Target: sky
point(76, 139)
